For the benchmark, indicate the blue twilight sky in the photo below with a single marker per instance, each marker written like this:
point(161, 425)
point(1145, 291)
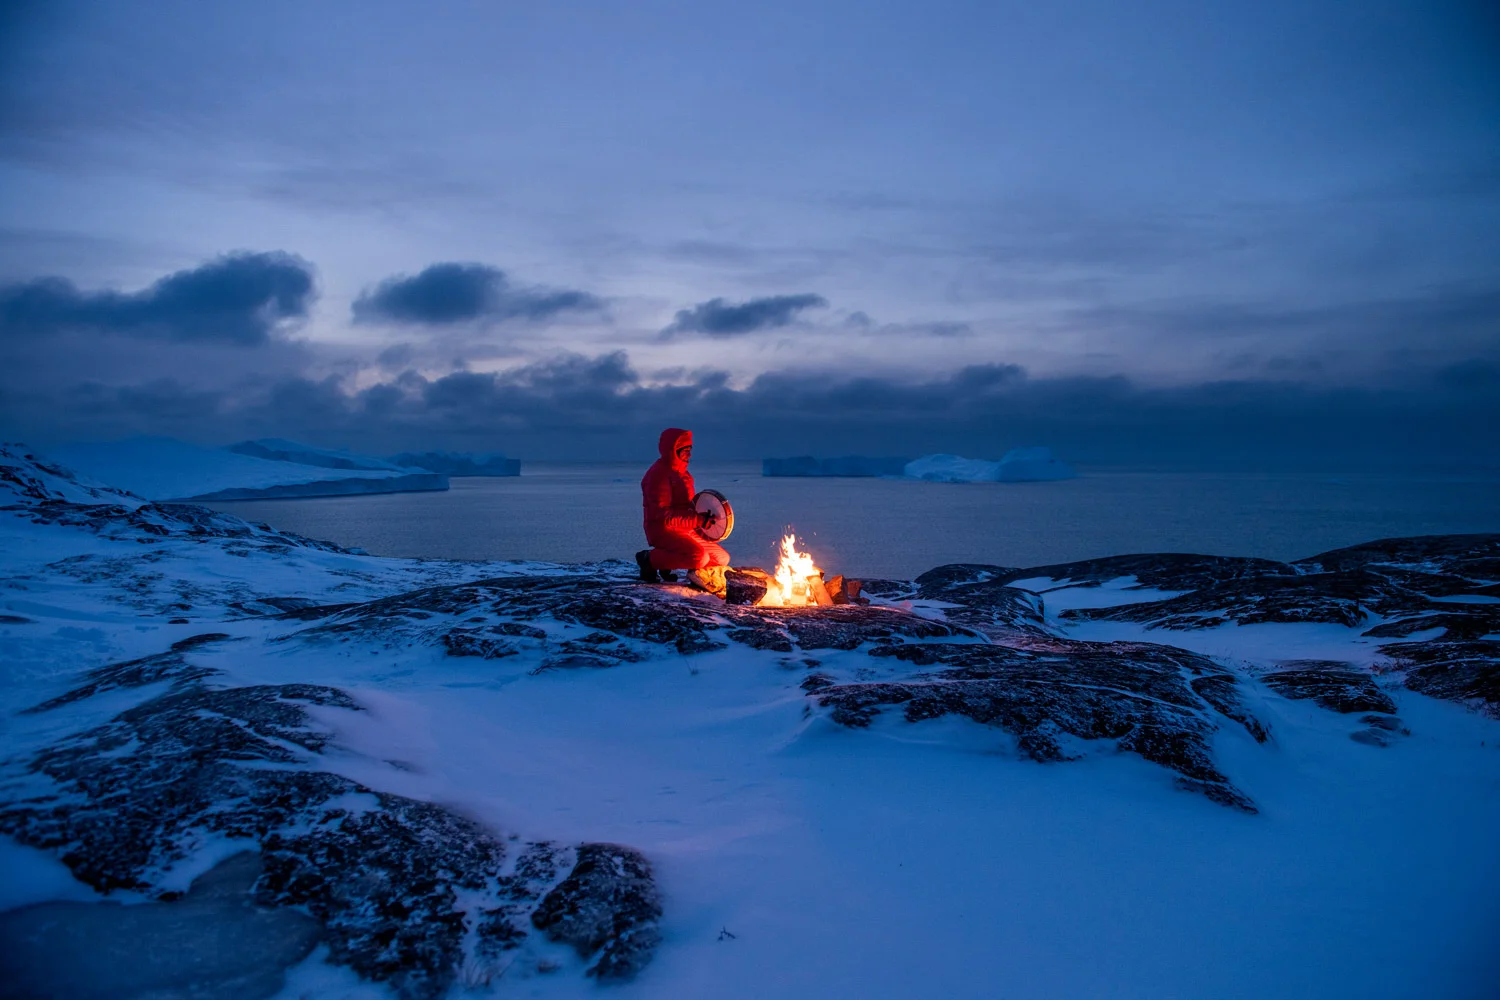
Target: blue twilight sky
point(1163, 230)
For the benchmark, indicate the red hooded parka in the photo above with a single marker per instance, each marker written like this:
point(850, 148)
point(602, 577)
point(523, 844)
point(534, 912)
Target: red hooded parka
point(667, 509)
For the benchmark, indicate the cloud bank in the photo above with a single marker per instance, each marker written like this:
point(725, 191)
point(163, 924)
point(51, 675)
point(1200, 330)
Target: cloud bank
point(240, 298)
point(578, 407)
point(448, 293)
point(718, 318)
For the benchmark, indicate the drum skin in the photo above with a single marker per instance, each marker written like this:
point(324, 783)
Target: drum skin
point(715, 502)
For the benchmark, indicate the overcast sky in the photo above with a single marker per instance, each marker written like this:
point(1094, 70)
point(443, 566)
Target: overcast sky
point(1166, 230)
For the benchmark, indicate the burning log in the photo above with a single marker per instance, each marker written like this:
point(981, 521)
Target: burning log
point(797, 583)
point(746, 585)
point(845, 591)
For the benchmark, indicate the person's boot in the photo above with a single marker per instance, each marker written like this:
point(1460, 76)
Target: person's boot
point(667, 576)
point(643, 560)
point(709, 579)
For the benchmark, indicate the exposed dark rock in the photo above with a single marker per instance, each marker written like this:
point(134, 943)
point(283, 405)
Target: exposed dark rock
point(131, 793)
point(492, 642)
point(194, 641)
point(382, 873)
point(1452, 554)
point(627, 609)
point(14, 620)
point(1342, 598)
point(763, 635)
point(502, 928)
point(130, 674)
point(1467, 672)
point(1158, 571)
point(162, 520)
point(383, 881)
point(1331, 684)
point(985, 602)
point(1222, 691)
point(837, 627)
point(1379, 731)
point(889, 590)
point(607, 905)
point(937, 582)
point(1459, 622)
point(1136, 694)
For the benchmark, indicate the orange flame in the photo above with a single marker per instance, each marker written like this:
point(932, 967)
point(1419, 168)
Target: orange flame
point(794, 577)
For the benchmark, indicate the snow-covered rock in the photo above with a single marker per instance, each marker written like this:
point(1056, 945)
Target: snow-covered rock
point(1019, 465)
point(518, 776)
point(452, 463)
point(846, 465)
point(167, 469)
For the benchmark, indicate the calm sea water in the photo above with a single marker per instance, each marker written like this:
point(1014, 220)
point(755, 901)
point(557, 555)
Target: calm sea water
point(894, 528)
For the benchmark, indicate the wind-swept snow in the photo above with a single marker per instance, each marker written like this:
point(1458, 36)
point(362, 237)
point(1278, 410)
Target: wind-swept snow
point(561, 770)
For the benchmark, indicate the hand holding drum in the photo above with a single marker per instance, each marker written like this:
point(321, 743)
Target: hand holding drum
point(715, 516)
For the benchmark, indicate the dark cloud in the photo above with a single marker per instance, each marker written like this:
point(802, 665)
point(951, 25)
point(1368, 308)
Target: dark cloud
point(449, 293)
point(396, 357)
point(240, 298)
point(575, 407)
point(718, 318)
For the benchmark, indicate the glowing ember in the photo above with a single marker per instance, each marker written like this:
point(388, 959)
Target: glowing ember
point(797, 578)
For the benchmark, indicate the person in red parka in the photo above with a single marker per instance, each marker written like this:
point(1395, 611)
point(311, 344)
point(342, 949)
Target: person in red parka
point(671, 522)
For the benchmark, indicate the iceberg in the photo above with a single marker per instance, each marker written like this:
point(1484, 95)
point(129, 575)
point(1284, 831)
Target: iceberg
point(1020, 465)
point(847, 465)
point(452, 463)
point(282, 450)
point(167, 469)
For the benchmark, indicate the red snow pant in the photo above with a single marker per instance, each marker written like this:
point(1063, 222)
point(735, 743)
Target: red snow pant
point(675, 550)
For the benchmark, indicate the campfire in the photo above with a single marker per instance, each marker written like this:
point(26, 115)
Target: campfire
point(796, 583)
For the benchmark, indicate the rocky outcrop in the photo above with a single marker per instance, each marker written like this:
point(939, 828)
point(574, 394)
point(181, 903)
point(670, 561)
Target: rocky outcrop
point(1331, 684)
point(982, 600)
point(1139, 696)
point(1157, 571)
point(1400, 588)
point(1334, 598)
point(1466, 672)
point(606, 907)
point(395, 884)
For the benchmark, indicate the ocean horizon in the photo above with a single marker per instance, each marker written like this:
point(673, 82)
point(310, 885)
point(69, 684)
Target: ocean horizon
point(868, 527)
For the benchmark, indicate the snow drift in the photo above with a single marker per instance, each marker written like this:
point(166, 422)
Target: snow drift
point(1020, 465)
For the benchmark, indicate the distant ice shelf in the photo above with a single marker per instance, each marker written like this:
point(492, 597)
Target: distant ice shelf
point(1020, 465)
point(167, 469)
point(282, 450)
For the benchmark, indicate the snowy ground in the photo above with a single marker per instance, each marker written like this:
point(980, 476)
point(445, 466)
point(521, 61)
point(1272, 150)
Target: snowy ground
point(796, 856)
